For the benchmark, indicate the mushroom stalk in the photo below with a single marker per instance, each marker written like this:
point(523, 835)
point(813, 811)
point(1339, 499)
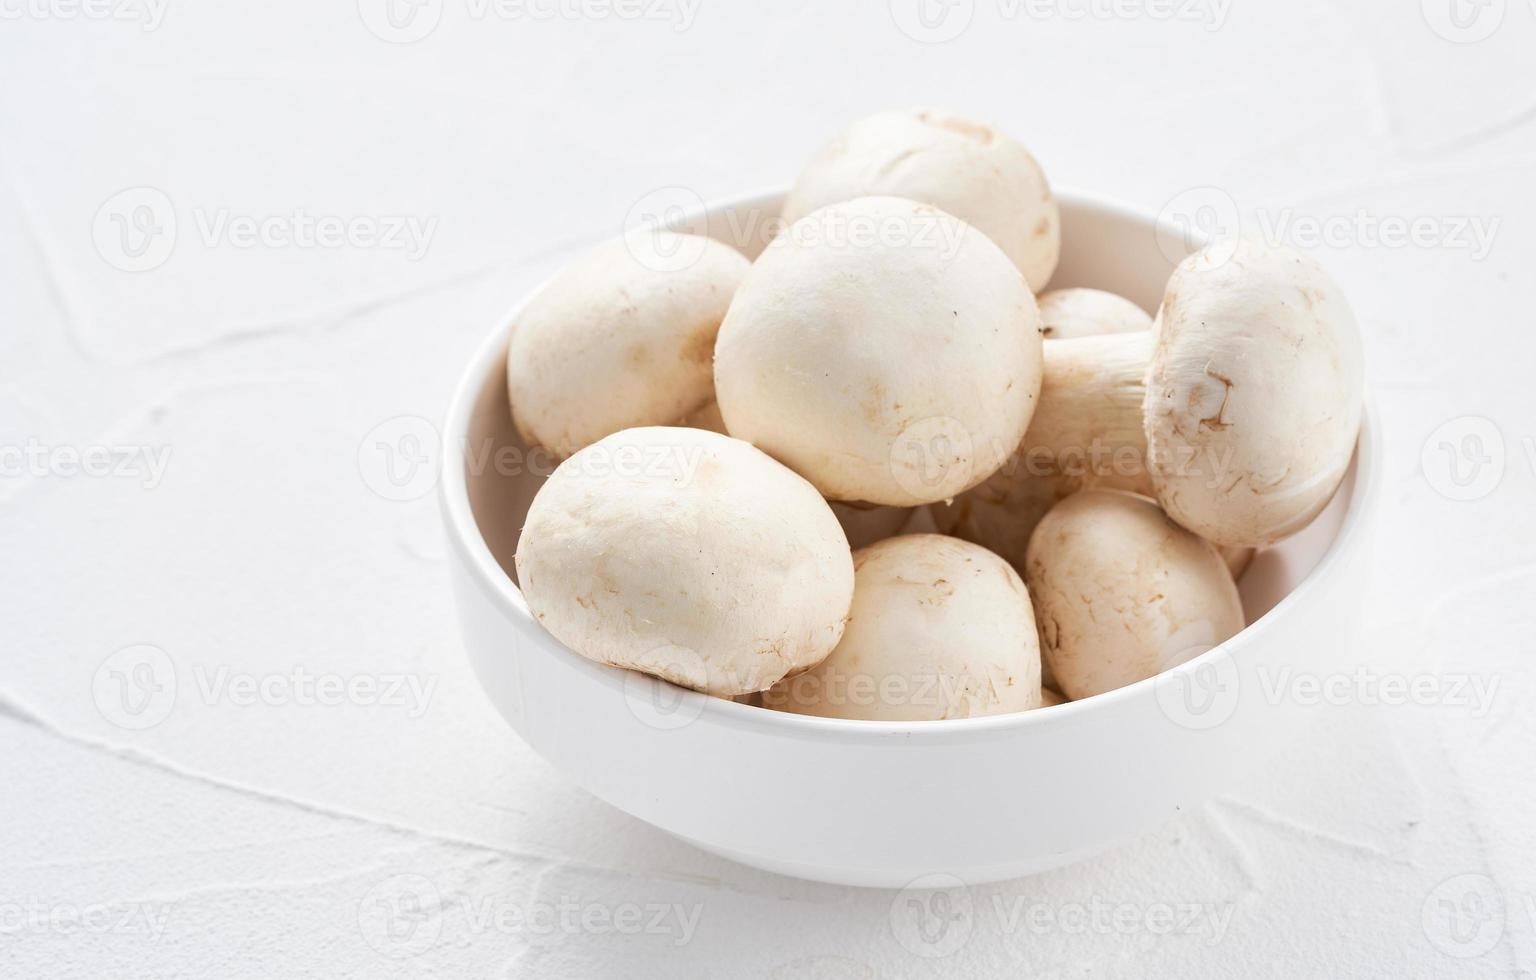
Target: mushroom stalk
point(1240, 411)
point(1088, 425)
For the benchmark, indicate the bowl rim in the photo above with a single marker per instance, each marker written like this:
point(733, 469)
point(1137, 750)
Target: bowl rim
point(464, 534)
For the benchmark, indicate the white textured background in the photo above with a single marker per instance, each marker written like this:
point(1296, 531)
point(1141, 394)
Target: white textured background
point(157, 819)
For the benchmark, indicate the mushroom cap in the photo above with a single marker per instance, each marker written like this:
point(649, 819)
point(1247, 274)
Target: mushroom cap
point(688, 555)
point(863, 523)
point(886, 351)
point(1254, 393)
point(622, 337)
point(1081, 312)
point(966, 168)
point(940, 628)
point(1086, 432)
point(1122, 593)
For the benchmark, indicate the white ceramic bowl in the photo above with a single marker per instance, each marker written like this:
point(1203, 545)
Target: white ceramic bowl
point(875, 803)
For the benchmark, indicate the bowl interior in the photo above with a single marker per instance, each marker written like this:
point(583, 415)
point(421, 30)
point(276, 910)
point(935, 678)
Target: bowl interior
point(1103, 246)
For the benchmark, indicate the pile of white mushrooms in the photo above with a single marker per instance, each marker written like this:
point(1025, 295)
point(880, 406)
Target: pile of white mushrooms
point(1097, 477)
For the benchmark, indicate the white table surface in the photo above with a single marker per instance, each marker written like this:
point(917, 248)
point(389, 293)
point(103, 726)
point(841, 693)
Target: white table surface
point(236, 827)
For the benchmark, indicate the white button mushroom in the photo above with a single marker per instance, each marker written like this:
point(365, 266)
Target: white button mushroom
point(940, 628)
point(1122, 593)
point(621, 338)
point(1090, 411)
point(863, 523)
point(1080, 312)
point(886, 351)
point(966, 168)
point(1255, 395)
point(1244, 406)
point(688, 555)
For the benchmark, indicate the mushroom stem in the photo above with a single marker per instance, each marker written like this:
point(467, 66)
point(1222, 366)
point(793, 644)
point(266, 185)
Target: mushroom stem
point(1238, 412)
point(1088, 425)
